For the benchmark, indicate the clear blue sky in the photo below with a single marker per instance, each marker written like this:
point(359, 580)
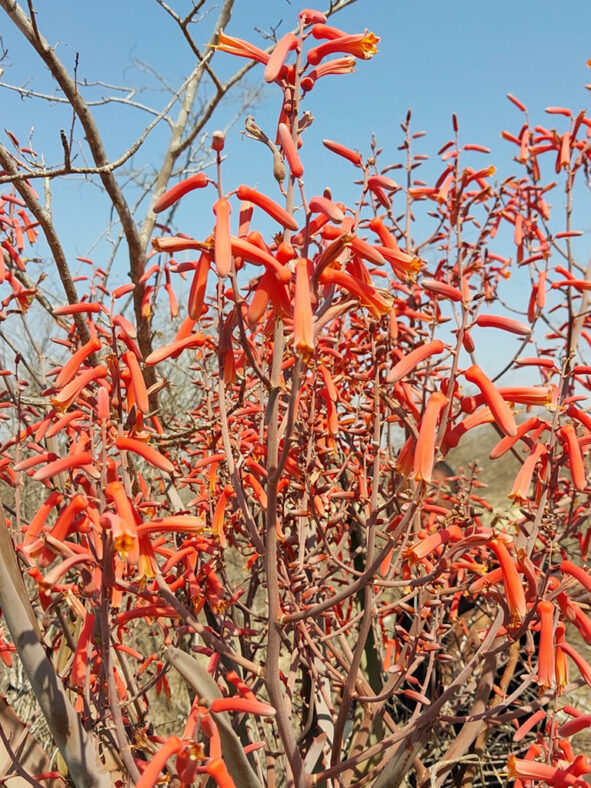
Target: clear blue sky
point(435, 57)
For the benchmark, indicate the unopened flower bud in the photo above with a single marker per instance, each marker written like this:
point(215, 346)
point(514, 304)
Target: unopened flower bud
point(218, 140)
point(278, 167)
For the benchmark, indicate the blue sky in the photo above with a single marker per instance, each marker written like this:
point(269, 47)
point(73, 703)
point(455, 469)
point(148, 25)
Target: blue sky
point(434, 57)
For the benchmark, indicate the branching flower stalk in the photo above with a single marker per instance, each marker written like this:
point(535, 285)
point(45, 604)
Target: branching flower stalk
point(288, 523)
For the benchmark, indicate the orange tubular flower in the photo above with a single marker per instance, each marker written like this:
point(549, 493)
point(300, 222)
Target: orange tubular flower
point(147, 565)
point(310, 16)
point(382, 182)
point(152, 771)
point(362, 46)
point(116, 491)
point(125, 537)
point(530, 722)
point(179, 243)
point(217, 769)
point(328, 382)
point(539, 396)
point(303, 328)
point(38, 521)
point(503, 446)
point(137, 382)
point(340, 65)
point(241, 48)
point(198, 181)
point(407, 364)
point(546, 657)
point(442, 289)
point(504, 323)
point(580, 574)
point(268, 290)
point(582, 623)
point(341, 150)
point(367, 251)
point(63, 464)
point(520, 490)
point(561, 662)
point(580, 662)
point(36, 459)
point(327, 207)
point(64, 398)
point(290, 151)
point(404, 462)
point(80, 660)
point(379, 228)
point(268, 205)
point(481, 416)
point(243, 705)
point(259, 302)
point(284, 46)
point(378, 302)
point(568, 437)
point(222, 247)
point(179, 523)
point(147, 452)
point(425, 448)
point(254, 254)
point(425, 547)
point(124, 324)
point(575, 725)
point(514, 592)
point(67, 516)
point(493, 399)
point(521, 769)
point(198, 288)
point(217, 525)
point(322, 31)
point(404, 265)
point(175, 348)
point(74, 363)
point(76, 309)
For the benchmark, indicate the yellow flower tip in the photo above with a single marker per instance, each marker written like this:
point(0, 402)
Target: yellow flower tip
point(512, 767)
point(61, 407)
point(416, 264)
point(305, 352)
point(123, 544)
point(369, 44)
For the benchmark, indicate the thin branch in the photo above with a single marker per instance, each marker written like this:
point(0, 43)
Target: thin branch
point(51, 236)
point(28, 28)
point(107, 168)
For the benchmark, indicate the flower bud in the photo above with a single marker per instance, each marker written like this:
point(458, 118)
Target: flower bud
point(218, 140)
